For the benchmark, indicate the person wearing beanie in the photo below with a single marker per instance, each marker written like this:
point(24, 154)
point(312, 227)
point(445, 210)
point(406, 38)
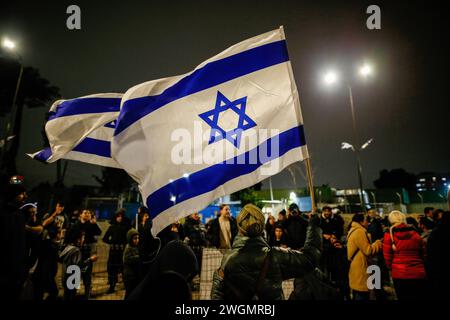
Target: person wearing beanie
point(254, 269)
point(132, 262)
point(250, 221)
point(404, 252)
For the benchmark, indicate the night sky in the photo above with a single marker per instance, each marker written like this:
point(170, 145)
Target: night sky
point(404, 107)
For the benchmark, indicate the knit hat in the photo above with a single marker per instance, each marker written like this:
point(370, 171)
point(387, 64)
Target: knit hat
point(250, 221)
point(293, 208)
point(396, 218)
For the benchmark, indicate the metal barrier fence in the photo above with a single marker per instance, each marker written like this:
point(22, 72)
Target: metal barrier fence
point(202, 284)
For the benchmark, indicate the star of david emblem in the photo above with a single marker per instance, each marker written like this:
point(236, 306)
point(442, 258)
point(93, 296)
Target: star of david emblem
point(111, 124)
point(212, 118)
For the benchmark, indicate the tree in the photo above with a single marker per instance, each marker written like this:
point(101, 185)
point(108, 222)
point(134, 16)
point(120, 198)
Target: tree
point(396, 178)
point(114, 181)
point(34, 91)
point(249, 195)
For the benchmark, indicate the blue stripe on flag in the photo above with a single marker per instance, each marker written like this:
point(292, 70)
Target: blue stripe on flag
point(85, 106)
point(94, 146)
point(210, 75)
point(212, 177)
point(43, 155)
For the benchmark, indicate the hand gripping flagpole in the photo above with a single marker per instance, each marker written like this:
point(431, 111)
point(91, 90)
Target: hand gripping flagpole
point(307, 160)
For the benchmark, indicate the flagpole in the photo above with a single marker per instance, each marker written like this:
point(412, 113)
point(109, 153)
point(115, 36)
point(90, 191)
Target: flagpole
point(448, 199)
point(137, 221)
point(300, 121)
point(310, 184)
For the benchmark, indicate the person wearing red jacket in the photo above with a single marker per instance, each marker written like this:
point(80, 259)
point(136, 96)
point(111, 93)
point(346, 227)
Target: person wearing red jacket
point(404, 252)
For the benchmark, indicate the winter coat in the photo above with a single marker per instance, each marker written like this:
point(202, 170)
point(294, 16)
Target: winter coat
point(71, 255)
point(438, 258)
point(359, 249)
point(241, 267)
point(278, 243)
point(406, 260)
point(333, 225)
point(132, 263)
point(296, 231)
point(213, 233)
point(116, 236)
point(90, 231)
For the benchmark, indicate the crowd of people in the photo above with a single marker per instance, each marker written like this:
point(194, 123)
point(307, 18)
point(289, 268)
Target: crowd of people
point(325, 260)
point(36, 243)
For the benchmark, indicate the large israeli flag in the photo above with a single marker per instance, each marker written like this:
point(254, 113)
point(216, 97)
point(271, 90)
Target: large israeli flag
point(81, 129)
point(230, 123)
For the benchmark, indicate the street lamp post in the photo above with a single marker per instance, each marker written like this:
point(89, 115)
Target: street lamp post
point(330, 78)
point(374, 200)
point(421, 197)
point(399, 198)
point(356, 150)
point(10, 45)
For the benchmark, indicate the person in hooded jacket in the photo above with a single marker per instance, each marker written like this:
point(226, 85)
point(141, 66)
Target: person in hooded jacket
point(295, 228)
point(404, 252)
point(116, 237)
point(71, 255)
point(195, 232)
point(132, 262)
point(169, 275)
point(240, 275)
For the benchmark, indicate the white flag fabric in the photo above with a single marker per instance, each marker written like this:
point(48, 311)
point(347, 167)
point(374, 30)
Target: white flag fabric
point(233, 121)
point(81, 129)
